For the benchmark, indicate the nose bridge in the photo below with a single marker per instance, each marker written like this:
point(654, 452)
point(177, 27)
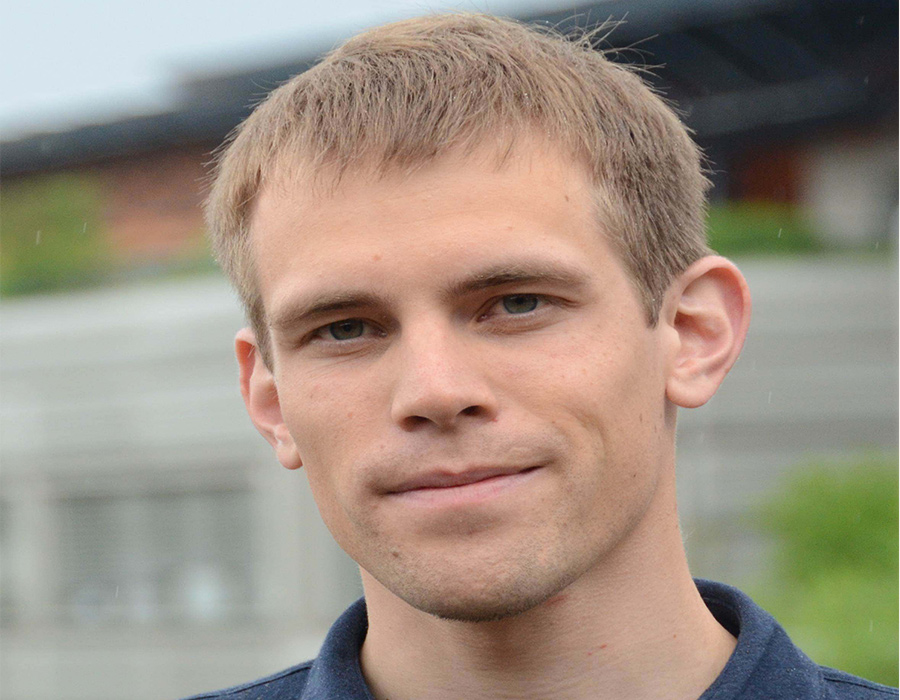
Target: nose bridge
point(439, 378)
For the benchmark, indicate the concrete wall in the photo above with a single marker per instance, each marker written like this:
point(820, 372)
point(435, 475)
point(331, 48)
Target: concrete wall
point(848, 185)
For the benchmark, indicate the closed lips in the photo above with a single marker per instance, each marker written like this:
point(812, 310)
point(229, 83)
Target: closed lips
point(444, 479)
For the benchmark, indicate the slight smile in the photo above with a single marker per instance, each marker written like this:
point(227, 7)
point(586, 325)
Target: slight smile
point(446, 489)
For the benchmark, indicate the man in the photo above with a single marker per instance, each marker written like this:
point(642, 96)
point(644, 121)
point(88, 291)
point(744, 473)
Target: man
point(473, 260)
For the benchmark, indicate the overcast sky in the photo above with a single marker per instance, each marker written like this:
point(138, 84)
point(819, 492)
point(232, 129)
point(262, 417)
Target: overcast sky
point(67, 62)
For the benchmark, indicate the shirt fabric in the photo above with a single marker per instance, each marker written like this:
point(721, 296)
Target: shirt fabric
point(765, 664)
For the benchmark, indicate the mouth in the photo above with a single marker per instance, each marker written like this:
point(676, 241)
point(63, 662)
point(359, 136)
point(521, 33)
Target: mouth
point(446, 487)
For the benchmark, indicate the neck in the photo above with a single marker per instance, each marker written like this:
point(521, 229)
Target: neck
point(634, 626)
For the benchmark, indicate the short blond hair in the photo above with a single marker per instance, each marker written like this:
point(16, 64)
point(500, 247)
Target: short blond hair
point(401, 95)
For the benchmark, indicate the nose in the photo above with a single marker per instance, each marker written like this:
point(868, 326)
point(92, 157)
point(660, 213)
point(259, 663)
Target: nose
point(440, 382)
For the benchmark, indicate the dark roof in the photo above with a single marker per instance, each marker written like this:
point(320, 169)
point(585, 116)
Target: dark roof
point(734, 67)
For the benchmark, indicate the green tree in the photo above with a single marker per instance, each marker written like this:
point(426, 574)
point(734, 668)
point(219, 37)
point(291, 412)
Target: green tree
point(833, 581)
point(759, 228)
point(50, 234)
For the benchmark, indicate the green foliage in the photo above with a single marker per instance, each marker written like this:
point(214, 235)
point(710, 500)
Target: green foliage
point(759, 228)
point(50, 235)
point(833, 584)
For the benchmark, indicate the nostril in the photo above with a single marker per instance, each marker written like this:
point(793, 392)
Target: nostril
point(471, 410)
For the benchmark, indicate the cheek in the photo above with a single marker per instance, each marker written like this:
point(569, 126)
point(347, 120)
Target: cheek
point(327, 412)
point(595, 375)
point(325, 422)
point(603, 390)
point(330, 422)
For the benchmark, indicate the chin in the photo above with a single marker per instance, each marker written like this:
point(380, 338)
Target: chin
point(479, 610)
point(498, 597)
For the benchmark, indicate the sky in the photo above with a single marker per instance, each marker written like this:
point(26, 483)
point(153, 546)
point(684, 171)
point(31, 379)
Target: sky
point(71, 62)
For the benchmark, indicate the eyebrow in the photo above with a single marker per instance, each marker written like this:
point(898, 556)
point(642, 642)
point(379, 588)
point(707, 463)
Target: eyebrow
point(295, 315)
point(501, 275)
point(529, 272)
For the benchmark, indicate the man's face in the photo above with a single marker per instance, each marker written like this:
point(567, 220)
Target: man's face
point(467, 375)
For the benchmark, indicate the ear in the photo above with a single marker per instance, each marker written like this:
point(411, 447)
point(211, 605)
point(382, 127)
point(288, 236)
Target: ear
point(261, 399)
point(708, 305)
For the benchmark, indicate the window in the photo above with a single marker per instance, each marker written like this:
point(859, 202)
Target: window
point(155, 557)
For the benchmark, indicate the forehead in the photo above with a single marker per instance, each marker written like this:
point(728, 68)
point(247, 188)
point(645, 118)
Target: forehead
point(442, 218)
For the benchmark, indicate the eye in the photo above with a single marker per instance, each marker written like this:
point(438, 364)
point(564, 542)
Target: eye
point(518, 309)
point(344, 330)
point(520, 303)
point(347, 336)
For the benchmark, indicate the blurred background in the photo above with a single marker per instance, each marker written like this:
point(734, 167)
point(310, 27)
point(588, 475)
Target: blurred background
point(151, 545)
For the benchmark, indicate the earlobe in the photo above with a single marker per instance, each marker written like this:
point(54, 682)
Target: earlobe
point(709, 308)
point(261, 399)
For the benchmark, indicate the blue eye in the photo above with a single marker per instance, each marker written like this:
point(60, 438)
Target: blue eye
point(520, 303)
point(347, 330)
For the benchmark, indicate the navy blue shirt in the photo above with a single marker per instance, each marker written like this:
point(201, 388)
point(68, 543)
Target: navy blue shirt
point(765, 664)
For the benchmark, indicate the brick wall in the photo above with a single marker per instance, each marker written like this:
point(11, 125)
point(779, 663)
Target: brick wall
point(152, 203)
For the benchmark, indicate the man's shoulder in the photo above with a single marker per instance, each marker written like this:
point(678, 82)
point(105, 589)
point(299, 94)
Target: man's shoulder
point(334, 673)
point(844, 686)
point(284, 685)
point(767, 664)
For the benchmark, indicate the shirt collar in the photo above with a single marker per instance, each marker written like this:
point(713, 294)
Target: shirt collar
point(763, 652)
point(336, 672)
